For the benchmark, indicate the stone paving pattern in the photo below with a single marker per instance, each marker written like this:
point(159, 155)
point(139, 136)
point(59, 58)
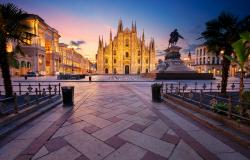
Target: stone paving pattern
point(117, 122)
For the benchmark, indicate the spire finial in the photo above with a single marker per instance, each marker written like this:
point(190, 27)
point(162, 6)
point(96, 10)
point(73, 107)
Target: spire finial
point(143, 38)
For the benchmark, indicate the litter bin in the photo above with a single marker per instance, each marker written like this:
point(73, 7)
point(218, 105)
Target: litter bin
point(68, 95)
point(156, 92)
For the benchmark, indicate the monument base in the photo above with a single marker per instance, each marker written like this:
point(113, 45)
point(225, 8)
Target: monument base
point(183, 76)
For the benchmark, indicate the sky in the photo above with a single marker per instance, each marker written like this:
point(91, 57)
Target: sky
point(85, 20)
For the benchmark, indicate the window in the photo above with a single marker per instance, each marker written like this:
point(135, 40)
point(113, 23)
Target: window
point(146, 70)
point(200, 61)
point(114, 60)
point(208, 60)
point(139, 61)
point(146, 61)
point(126, 54)
point(204, 60)
point(106, 60)
point(114, 52)
point(126, 42)
point(213, 60)
point(200, 52)
point(138, 71)
point(218, 60)
point(139, 53)
point(114, 70)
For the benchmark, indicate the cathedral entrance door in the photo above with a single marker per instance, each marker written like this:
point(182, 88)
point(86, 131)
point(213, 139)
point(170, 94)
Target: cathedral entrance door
point(126, 69)
point(106, 71)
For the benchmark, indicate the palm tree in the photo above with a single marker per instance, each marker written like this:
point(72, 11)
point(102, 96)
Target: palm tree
point(12, 29)
point(220, 33)
point(242, 52)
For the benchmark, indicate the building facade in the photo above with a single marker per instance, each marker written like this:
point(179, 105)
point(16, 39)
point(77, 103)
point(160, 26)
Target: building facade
point(72, 61)
point(125, 53)
point(42, 54)
point(209, 62)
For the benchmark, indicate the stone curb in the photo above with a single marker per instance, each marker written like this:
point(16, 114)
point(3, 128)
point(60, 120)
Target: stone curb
point(173, 100)
point(14, 121)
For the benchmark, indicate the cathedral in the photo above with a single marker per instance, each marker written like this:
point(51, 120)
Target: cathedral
point(125, 53)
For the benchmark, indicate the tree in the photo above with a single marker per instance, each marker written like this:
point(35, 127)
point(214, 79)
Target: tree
point(242, 52)
point(14, 29)
point(220, 33)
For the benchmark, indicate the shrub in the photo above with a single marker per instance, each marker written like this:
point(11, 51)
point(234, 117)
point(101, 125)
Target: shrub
point(246, 100)
point(220, 107)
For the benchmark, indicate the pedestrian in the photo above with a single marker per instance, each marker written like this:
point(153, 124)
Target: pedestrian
point(89, 78)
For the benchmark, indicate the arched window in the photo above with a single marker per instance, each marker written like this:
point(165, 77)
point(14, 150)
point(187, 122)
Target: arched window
point(139, 61)
point(208, 60)
point(146, 70)
point(146, 61)
point(200, 52)
point(126, 42)
point(114, 60)
point(138, 70)
point(139, 53)
point(106, 60)
point(204, 60)
point(23, 64)
point(213, 60)
point(218, 60)
point(126, 54)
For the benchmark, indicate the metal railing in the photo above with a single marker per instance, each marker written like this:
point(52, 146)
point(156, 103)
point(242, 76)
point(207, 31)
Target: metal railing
point(25, 95)
point(207, 96)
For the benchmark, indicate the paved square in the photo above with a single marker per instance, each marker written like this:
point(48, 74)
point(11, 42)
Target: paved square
point(117, 121)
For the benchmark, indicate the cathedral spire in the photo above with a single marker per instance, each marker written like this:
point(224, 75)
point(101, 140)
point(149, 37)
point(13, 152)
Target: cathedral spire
point(143, 38)
point(99, 42)
point(132, 28)
point(135, 27)
point(153, 44)
point(120, 26)
point(110, 35)
point(102, 41)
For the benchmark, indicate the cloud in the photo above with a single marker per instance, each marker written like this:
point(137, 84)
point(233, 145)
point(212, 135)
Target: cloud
point(77, 43)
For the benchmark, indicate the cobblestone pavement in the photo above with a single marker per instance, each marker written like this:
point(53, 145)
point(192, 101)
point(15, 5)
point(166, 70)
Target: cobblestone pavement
point(116, 121)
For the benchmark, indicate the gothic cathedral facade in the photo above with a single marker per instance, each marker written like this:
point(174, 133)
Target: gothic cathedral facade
point(125, 53)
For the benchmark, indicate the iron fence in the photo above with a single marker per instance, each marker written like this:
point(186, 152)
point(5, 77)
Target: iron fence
point(207, 96)
point(25, 95)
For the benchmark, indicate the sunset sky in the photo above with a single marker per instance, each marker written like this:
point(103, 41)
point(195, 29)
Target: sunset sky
point(87, 19)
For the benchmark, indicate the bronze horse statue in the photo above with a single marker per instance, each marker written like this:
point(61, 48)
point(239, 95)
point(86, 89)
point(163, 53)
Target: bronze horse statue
point(174, 37)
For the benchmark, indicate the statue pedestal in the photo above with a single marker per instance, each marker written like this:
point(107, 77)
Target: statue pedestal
point(176, 70)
